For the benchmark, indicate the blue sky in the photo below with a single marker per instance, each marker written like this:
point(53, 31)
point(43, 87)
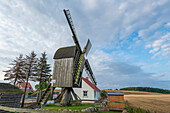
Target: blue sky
point(130, 39)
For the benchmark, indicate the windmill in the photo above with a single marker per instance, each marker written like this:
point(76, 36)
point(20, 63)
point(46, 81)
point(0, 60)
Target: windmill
point(69, 63)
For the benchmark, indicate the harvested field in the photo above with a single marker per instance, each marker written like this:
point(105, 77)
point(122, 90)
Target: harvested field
point(154, 102)
point(159, 103)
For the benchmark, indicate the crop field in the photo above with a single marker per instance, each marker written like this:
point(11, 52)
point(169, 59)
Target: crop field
point(154, 102)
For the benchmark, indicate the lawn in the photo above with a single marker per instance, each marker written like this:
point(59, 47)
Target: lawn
point(107, 112)
point(77, 107)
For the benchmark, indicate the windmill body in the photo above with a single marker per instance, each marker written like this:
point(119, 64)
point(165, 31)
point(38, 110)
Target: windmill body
point(69, 63)
point(64, 65)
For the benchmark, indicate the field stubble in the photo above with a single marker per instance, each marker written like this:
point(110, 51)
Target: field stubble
point(154, 102)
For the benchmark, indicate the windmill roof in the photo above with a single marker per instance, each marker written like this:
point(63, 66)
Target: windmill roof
point(6, 88)
point(65, 52)
point(90, 84)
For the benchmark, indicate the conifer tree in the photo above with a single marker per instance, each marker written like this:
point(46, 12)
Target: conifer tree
point(42, 70)
point(15, 73)
point(29, 68)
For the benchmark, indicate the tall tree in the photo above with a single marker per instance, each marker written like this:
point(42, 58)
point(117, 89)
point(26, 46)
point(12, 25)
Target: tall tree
point(29, 68)
point(16, 73)
point(43, 71)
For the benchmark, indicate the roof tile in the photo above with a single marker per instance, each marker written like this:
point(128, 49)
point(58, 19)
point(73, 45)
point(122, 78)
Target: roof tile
point(90, 84)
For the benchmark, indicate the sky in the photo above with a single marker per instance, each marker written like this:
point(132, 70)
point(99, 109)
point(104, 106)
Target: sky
point(130, 39)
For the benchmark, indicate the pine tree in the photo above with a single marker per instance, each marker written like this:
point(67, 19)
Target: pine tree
point(29, 68)
point(43, 71)
point(16, 73)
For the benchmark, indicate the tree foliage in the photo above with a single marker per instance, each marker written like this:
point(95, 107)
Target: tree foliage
point(103, 95)
point(42, 72)
point(29, 68)
point(147, 89)
point(43, 85)
point(16, 72)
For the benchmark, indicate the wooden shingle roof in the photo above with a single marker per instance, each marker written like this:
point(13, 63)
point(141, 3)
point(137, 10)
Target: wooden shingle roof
point(66, 52)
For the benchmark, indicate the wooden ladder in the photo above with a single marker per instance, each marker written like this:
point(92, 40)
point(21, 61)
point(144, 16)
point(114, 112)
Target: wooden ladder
point(45, 96)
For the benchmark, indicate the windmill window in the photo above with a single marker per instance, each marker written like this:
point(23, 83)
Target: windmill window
point(84, 93)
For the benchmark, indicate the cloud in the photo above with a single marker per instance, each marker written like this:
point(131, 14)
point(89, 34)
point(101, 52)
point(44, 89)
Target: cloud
point(116, 74)
point(25, 28)
point(41, 26)
point(167, 25)
point(159, 74)
point(160, 46)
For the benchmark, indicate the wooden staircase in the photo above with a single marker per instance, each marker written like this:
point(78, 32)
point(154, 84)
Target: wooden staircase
point(45, 97)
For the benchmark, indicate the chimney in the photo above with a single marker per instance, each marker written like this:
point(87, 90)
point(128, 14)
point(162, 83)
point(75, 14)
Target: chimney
point(86, 78)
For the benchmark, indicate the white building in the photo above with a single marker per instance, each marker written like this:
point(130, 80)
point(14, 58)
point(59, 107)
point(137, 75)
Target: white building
point(88, 91)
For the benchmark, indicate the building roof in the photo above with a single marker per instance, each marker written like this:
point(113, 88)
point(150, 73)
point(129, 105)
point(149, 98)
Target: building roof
point(6, 88)
point(22, 85)
point(66, 52)
point(115, 93)
point(90, 84)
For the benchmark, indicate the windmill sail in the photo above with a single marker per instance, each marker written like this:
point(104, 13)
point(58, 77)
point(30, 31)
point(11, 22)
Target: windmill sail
point(79, 61)
point(90, 72)
point(70, 22)
point(87, 47)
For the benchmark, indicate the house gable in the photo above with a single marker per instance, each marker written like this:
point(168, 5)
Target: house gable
point(90, 84)
point(88, 91)
point(22, 85)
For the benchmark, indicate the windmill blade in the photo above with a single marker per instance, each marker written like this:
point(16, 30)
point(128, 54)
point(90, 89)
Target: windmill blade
point(87, 47)
point(70, 22)
point(89, 72)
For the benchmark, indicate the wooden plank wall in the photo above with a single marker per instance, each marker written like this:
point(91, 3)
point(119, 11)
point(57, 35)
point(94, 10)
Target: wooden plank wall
point(62, 72)
point(10, 100)
point(118, 99)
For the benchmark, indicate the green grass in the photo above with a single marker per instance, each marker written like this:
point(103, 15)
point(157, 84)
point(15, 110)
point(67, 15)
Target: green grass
point(77, 107)
point(108, 112)
point(136, 110)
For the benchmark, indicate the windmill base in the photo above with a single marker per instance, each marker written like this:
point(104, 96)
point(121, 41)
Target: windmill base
point(67, 97)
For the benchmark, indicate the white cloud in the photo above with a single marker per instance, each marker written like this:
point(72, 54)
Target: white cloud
point(159, 74)
point(161, 46)
point(41, 26)
point(24, 29)
point(90, 4)
point(167, 25)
